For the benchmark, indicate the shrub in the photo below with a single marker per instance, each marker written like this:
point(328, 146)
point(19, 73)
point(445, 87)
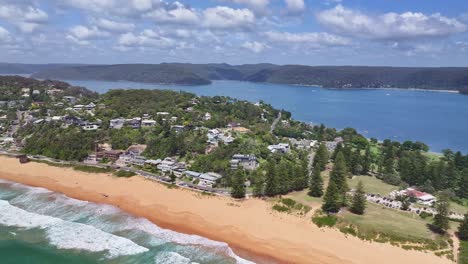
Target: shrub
point(327, 220)
point(425, 215)
point(288, 202)
point(280, 208)
point(124, 174)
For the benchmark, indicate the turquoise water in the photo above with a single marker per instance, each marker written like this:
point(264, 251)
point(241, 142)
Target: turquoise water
point(439, 119)
point(40, 226)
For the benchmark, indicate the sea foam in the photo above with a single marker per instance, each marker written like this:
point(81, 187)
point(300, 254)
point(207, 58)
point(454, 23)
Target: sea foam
point(69, 235)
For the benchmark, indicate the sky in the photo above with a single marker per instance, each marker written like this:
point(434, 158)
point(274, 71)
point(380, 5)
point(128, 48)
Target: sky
point(309, 32)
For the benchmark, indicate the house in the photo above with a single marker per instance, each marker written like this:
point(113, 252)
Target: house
point(208, 179)
point(162, 113)
point(192, 174)
point(134, 122)
point(116, 123)
point(166, 165)
point(25, 90)
point(90, 127)
point(178, 128)
point(207, 116)
point(70, 99)
point(233, 124)
point(331, 145)
point(89, 106)
point(421, 197)
point(279, 148)
point(148, 123)
point(178, 172)
point(112, 154)
point(152, 162)
point(36, 92)
point(53, 91)
point(91, 159)
point(248, 162)
point(78, 107)
point(173, 119)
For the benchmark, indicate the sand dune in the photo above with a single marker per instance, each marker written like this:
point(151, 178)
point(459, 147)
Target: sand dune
point(250, 226)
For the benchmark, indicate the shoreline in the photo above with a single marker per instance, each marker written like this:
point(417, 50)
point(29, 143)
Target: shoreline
point(250, 227)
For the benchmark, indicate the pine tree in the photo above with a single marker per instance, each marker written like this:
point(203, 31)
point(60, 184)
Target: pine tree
point(316, 183)
point(331, 200)
point(441, 220)
point(338, 149)
point(463, 185)
point(259, 183)
point(339, 175)
point(359, 200)
point(356, 162)
point(367, 162)
point(321, 157)
point(238, 185)
point(271, 183)
point(463, 229)
point(173, 177)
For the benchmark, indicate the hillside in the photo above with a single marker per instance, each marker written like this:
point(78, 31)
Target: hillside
point(327, 76)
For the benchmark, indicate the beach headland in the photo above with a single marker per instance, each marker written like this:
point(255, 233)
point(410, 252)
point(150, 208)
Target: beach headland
point(250, 227)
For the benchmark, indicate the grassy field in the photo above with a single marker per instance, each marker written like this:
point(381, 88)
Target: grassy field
point(382, 219)
point(372, 185)
point(463, 255)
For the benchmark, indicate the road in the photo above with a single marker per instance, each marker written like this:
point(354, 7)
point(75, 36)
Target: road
point(275, 122)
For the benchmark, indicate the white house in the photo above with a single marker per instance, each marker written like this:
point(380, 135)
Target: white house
point(279, 148)
point(148, 123)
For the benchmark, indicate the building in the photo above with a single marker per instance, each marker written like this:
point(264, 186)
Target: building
point(148, 123)
point(192, 174)
point(178, 128)
point(116, 123)
point(421, 197)
point(70, 99)
point(112, 154)
point(279, 148)
point(233, 124)
point(248, 162)
point(207, 116)
point(166, 165)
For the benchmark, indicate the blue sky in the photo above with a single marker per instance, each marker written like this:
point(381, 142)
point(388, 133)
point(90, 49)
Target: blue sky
point(311, 32)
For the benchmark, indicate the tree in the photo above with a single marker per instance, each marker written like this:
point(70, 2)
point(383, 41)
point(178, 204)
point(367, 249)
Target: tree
point(271, 183)
point(441, 220)
point(331, 200)
point(238, 185)
point(463, 186)
point(463, 229)
point(358, 205)
point(321, 157)
point(173, 177)
point(367, 162)
point(339, 176)
point(316, 183)
point(258, 183)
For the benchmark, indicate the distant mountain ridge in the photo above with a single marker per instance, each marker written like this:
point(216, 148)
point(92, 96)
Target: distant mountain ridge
point(342, 77)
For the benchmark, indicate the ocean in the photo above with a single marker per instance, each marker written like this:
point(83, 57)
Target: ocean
point(439, 119)
point(40, 226)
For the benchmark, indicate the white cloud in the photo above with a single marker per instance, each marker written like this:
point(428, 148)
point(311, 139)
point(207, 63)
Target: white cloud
point(294, 7)
point(25, 18)
point(147, 38)
point(389, 26)
point(4, 35)
point(254, 46)
point(256, 5)
point(82, 35)
point(174, 14)
point(114, 26)
point(222, 17)
point(313, 39)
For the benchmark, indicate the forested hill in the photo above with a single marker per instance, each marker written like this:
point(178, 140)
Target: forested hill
point(327, 76)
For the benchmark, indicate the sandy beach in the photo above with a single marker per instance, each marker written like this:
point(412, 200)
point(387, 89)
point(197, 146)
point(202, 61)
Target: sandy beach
point(250, 227)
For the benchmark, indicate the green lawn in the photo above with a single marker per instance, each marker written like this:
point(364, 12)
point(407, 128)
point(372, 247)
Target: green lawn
point(463, 255)
point(387, 220)
point(372, 185)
